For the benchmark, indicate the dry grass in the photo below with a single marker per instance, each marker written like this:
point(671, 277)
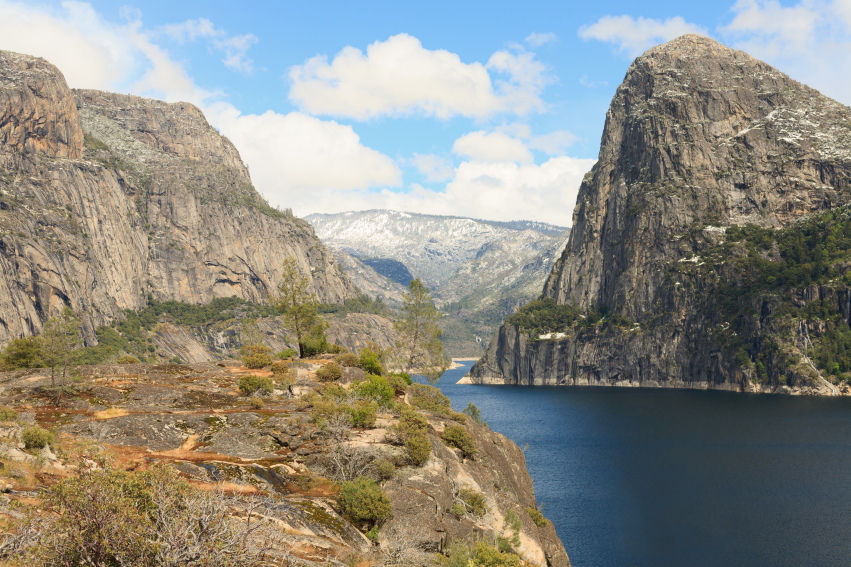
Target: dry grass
point(109, 413)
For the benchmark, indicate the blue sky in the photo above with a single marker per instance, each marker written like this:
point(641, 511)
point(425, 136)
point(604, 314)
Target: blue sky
point(487, 109)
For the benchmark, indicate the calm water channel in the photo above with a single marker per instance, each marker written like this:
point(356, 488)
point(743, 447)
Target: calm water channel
point(656, 478)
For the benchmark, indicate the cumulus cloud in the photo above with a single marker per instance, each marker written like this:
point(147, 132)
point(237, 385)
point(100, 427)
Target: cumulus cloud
point(294, 154)
point(554, 143)
point(491, 147)
point(539, 39)
point(434, 168)
point(632, 36)
point(400, 77)
point(499, 191)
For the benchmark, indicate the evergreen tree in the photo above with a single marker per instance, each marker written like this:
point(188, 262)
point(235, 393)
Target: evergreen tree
point(419, 347)
point(59, 339)
point(298, 307)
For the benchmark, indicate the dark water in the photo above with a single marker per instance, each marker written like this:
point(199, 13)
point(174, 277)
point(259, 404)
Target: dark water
point(655, 478)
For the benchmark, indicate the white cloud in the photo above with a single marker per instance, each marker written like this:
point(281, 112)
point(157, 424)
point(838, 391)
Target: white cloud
point(554, 143)
point(809, 40)
point(235, 48)
point(492, 147)
point(400, 77)
point(499, 191)
point(292, 157)
point(632, 36)
point(539, 39)
point(434, 168)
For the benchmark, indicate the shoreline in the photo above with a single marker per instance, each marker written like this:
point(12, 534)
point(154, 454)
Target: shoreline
point(455, 362)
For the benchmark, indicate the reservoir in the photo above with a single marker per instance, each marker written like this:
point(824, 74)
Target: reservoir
point(657, 478)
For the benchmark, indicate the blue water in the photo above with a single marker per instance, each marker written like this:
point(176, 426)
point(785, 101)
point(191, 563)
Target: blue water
point(656, 478)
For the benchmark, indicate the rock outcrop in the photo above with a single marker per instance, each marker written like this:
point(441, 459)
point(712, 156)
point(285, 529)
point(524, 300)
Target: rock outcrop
point(698, 138)
point(106, 199)
point(286, 457)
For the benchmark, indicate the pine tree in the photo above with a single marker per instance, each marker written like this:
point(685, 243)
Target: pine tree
point(419, 347)
point(59, 339)
point(299, 307)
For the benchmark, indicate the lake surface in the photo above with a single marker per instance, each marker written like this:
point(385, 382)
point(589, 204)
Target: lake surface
point(656, 478)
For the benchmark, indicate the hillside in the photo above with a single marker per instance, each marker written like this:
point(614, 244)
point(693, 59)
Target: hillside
point(281, 461)
point(710, 241)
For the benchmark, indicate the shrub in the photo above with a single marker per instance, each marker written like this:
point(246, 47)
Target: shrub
point(287, 353)
point(256, 356)
point(457, 509)
point(347, 360)
point(418, 447)
point(375, 388)
point(8, 414)
point(330, 372)
point(27, 352)
point(383, 469)
point(334, 392)
point(165, 514)
point(363, 414)
point(364, 501)
point(474, 502)
point(252, 384)
point(399, 381)
point(457, 436)
point(485, 555)
point(537, 517)
point(314, 345)
point(280, 368)
point(36, 437)
point(127, 359)
point(428, 398)
point(257, 402)
point(370, 362)
point(474, 412)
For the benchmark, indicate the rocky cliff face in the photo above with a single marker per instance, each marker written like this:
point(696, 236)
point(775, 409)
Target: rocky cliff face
point(108, 198)
point(698, 138)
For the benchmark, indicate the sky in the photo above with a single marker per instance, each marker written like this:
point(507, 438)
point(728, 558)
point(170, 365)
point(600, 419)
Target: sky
point(491, 110)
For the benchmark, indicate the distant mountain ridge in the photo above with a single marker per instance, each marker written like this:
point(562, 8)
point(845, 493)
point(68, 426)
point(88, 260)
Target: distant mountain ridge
point(479, 271)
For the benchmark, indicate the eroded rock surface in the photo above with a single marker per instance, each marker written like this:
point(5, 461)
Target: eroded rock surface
point(699, 137)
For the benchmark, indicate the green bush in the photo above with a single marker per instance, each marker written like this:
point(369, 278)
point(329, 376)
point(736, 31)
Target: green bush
point(363, 414)
point(287, 353)
point(127, 359)
point(313, 345)
point(8, 414)
point(36, 437)
point(474, 501)
point(474, 412)
point(329, 372)
point(428, 398)
point(383, 469)
point(418, 447)
point(370, 362)
point(537, 517)
point(457, 509)
point(280, 368)
point(23, 353)
point(457, 436)
point(375, 388)
point(252, 384)
point(347, 360)
point(399, 381)
point(364, 501)
point(257, 403)
point(256, 356)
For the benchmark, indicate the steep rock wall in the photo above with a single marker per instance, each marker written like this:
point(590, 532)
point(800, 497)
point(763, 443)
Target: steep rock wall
point(699, 137)
point(105, 199)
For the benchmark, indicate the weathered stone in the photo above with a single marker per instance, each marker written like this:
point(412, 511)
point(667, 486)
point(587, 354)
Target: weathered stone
point(698, 137)
point(157, 202)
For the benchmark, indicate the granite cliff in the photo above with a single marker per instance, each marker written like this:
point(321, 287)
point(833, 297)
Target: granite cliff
point(108, 199)
point(709, 244)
